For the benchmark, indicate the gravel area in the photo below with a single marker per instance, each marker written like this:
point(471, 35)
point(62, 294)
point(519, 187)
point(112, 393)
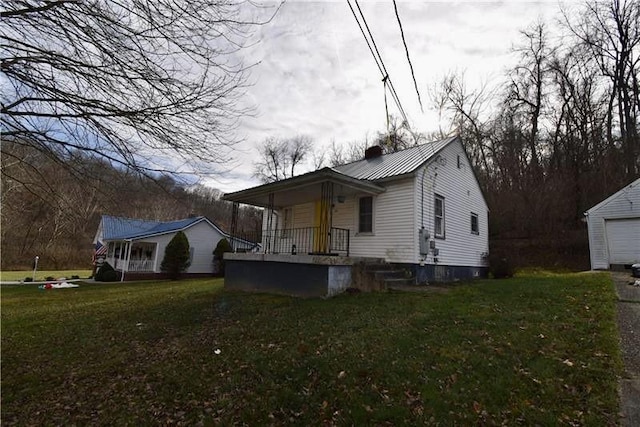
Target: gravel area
point(629, 325)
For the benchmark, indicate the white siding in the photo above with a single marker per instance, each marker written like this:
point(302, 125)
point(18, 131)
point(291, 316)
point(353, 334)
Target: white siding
point(393, 218)
point(202, 238)
point(303, 215)
point(625, 204)
point(462, 195)
point(398, 215)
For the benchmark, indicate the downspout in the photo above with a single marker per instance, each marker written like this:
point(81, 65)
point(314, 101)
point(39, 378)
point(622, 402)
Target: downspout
point(425, 176)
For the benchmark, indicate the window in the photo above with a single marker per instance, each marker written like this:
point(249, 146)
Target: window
point(438, 217)
point(286, 223)
point(475, 228)
point(365, 215)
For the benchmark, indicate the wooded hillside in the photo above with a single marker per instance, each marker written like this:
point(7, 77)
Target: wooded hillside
point(52, 207)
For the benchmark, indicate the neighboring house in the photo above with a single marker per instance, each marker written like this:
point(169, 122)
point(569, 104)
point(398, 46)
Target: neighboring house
point(420, 209)
point(136, 247)
point(614, 229)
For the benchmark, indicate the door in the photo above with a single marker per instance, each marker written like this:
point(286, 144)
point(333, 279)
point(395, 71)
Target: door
point(623, 240)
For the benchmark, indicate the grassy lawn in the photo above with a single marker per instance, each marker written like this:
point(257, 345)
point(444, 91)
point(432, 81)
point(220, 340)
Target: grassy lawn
point(530, 350)
point(11, 276)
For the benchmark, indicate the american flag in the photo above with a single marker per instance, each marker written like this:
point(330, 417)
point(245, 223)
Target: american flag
point(101, 249)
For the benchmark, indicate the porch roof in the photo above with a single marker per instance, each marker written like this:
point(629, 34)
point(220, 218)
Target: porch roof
point(303, 188)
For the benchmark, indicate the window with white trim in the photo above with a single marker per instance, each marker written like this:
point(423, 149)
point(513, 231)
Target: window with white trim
point(475, 225)
point(365, 215)
point(438, 217)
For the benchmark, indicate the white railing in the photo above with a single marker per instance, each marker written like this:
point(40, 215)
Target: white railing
point(140, 265)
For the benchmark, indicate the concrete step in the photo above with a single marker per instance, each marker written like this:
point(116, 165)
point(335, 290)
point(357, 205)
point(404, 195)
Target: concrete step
point(377, 266)
point(391, 283)
point(388, 274)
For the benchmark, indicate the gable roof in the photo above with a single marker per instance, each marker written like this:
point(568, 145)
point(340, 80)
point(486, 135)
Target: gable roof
point(623, 190)
point(394, 164)
point(118, 228)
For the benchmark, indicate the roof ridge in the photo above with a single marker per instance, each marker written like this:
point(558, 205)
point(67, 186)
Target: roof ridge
point(130, 219)
point(415, 146)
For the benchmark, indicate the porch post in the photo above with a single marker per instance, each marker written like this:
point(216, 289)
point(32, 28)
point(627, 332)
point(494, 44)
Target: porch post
point(125, 267)
point(326, 216)
point(155, 259)
point(234, 225)
point(269, 230)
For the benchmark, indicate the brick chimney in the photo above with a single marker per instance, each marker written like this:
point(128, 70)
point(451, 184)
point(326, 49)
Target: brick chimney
point(373, 152)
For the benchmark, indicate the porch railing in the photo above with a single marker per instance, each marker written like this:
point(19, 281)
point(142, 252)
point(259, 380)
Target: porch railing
point(134, 265)
point(308, 240)
point(140, 265)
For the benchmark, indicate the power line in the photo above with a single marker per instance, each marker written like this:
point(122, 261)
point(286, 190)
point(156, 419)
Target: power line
point(386, 73)
point(378, 58)
point(406, 49)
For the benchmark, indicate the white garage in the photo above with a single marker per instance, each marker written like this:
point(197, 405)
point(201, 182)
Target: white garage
point(614, 229)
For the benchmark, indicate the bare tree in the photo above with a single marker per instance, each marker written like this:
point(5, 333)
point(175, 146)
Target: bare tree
point(468, 117)
point(129, 82)
point(526, 94)
point(298, 148)
point(280, 157)
point(610, 35)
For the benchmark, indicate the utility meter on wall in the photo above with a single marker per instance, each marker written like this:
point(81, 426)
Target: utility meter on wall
point(423, 239)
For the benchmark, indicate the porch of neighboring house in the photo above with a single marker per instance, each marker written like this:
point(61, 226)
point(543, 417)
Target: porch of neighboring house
point(131, 256)
point(303, 255)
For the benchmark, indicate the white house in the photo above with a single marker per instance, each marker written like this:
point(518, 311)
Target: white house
point(136, 247)
point(614, 229)
point(421, 209)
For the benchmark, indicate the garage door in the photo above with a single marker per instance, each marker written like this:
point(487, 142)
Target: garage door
point(623, 240)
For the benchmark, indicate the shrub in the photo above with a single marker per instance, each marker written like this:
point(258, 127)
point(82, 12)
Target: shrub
point(218, 254)
point(500, 267)
point(28, 279)
point(49, 278)
point(176, 256)
point(106, 273)
point(110, 276)
point(75, 276)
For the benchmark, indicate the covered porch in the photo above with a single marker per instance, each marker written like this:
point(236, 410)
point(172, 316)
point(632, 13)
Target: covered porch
point(303, 252)
point(132, 256)
point(286, 231)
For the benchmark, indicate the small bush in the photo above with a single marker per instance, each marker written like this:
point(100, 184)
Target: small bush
point(218, 254)
point(176, 256)
point(110, 276)
point(74, 277)
point(28, 279)
point(49, 278)
point(106, 273)
point(500, 267)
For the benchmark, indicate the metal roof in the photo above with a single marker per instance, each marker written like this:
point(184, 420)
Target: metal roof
point(394, 164)
point(116, 228)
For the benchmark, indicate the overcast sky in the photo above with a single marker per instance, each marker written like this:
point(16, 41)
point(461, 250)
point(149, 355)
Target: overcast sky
point(315, 75)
